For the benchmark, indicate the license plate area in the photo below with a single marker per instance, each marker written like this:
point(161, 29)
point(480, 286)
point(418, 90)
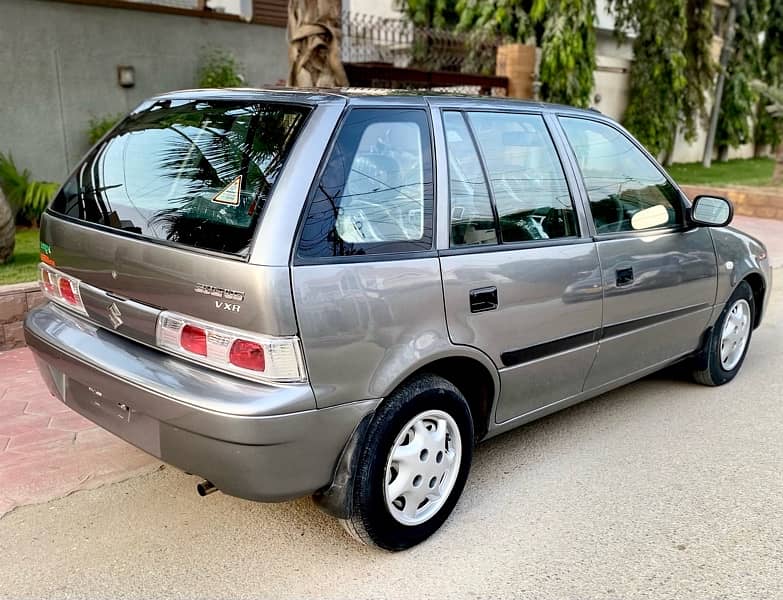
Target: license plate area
point(116, 414)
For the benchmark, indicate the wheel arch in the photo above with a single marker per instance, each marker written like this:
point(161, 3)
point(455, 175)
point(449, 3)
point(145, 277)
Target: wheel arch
point(474, 376)
point(759, 288)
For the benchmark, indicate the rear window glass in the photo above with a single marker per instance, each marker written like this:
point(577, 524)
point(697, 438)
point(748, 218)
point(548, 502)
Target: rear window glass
point(192, 172)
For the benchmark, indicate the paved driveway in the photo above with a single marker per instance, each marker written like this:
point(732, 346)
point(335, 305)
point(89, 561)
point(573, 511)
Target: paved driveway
point(662, 489)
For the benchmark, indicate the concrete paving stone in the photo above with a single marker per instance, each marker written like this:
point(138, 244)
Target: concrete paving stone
point(94, 437)
point(26, 486)
point(46, 406)
point(38, 436)
point(6, 504)
point(46, 449)
point(70, 421)
point(20, 424)
point(10, 408)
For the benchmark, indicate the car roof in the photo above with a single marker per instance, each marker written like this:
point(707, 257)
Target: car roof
point(372, 96)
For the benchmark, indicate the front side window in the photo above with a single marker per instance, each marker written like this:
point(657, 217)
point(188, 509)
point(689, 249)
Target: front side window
point(527, 180)
point(375, 193)
point(626, 191)
point(192, 172)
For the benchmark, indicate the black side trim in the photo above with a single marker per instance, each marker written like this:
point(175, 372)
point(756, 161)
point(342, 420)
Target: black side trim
point(622, 328)
point(516, 357)
point(511, 358)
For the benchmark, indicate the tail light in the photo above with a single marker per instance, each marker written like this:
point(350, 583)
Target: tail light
point(60, 288)
point(262, 358)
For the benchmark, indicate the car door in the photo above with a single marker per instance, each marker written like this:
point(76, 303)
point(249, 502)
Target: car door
point(521, 281)
point(366, 277)
point(659, 276)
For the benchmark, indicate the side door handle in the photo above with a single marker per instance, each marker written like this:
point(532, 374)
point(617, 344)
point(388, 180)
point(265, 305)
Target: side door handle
point(624, 276)
point(483, 299)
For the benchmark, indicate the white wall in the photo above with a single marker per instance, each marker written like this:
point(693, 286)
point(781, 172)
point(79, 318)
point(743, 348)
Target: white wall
point(379, 8)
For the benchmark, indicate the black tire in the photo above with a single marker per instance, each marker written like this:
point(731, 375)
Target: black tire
point(371, 522)
point(708, 369)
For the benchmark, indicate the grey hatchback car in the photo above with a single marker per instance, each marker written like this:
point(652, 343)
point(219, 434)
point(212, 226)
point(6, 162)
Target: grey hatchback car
point(297, 293)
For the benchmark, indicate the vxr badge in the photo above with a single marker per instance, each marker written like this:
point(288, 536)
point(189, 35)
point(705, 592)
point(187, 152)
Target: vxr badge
point(115, 316)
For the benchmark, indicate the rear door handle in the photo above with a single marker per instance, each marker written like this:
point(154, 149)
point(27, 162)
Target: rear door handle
point(483, 299)
point(624, 276)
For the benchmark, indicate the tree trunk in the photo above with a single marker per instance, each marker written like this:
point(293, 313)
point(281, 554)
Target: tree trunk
point(7, 230)
point(777, 176)
point(723, 153)
point(314, 34)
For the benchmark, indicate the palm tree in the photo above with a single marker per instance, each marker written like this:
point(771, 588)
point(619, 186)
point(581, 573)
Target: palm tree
point(314, 34)
point(7, 229)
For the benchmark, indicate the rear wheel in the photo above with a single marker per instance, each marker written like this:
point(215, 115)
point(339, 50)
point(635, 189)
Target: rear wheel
point(413, 465)
point(727, 345)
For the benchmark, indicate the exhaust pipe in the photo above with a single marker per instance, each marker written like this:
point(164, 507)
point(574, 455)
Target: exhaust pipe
point(205, 488)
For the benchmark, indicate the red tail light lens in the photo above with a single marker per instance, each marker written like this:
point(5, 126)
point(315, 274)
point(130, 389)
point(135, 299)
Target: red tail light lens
point(61, 288)
point(47, 282)
point(194, 339)
point(263, 358)
point(66, 291)
point(248, 355)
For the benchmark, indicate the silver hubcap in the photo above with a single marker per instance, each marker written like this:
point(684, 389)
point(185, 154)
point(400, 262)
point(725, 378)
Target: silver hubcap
point(734, 336)
point(422, 467)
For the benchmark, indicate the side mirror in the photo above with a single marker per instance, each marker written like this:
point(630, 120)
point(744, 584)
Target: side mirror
point(711, 211)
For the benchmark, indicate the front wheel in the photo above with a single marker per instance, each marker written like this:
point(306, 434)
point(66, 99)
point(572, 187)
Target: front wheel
point(413, 464)
point(725, 348)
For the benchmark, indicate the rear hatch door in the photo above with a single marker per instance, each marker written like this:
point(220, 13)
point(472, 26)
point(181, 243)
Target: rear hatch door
point(161, 215)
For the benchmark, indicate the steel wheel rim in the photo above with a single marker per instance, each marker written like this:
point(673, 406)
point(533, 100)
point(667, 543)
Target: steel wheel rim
point(734, 335)
point(422, 467)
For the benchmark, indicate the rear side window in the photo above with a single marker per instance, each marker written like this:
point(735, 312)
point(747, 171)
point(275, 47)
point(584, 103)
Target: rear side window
point(191, 172)
point(375, 193)
point(472, 219)
point(527, 180)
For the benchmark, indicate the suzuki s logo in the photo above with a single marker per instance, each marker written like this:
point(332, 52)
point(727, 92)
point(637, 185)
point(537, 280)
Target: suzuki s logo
point(115, 316)
point(227, 306)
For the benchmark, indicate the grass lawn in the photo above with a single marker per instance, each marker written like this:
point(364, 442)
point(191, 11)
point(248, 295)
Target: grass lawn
point(750, 171)
point(24, 263)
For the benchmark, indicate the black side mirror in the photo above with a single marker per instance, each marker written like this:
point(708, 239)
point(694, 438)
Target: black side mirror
point(711, 211)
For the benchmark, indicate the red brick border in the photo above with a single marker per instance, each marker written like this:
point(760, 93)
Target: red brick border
point(15, 301)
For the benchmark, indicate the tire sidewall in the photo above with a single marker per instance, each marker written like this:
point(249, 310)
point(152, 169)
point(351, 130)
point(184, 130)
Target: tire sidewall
point(717, 373)
point(369, 500)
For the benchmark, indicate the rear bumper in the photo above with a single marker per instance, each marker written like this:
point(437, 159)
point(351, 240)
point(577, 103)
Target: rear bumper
point(254, 441)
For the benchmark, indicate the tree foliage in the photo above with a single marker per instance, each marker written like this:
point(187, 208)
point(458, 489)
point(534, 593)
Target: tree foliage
point(23, 192)
point(745, 65)
point(439, 14)
point(769, 130)
point(700, 68)
point(658, 73)
point(564, 29)
point(219, 69)
point(97, 127)
point(568, 52)
point(513, 20)
point(772, 105)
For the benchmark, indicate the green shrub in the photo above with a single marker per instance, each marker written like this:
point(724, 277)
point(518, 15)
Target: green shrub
point(24, 193)
point(219, 69)
point(99, 126)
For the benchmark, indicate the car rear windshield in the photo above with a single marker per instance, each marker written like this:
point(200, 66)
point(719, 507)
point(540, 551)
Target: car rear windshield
point(191, 172)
